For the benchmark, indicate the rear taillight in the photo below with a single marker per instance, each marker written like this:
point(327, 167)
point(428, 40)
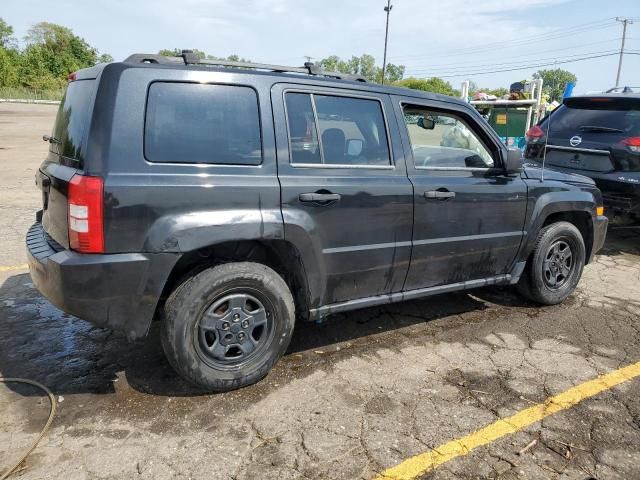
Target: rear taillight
point(633, 143)
point(86, 233)
point(534, 133)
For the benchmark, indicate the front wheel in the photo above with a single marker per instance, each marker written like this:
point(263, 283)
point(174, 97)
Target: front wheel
point(227, 326)
point(556, 265)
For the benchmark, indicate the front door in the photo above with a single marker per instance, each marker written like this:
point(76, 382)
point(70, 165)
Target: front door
point(346, 198)
point(468, 216)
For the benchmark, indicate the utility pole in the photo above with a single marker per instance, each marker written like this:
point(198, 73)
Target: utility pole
point(386, 37)
point(625, 22)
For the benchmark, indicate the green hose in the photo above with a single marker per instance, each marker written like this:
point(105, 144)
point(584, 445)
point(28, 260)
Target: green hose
point(52, 412)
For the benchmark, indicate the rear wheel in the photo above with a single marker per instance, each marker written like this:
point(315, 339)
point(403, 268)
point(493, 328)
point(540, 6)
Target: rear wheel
point(556, 265)
point(227, 326)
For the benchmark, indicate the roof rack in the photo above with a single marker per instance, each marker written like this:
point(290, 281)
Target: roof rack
point(188, 57)
point(621, 90)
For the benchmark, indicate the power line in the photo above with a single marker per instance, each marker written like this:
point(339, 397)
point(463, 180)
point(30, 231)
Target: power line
point(552, 35)
point(573, 47)
point(514, 44)
point(485, 72)
point(522, 61)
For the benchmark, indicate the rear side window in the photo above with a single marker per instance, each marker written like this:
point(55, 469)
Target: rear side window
point(336, 130)
point(72, 120)
point(595, 116)
point(200, 123)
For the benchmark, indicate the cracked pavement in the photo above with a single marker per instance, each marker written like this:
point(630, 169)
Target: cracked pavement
point(353, 396)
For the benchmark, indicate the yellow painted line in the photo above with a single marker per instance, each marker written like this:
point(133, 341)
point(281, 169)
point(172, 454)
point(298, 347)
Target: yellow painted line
point(427, 461)
point(10, 268)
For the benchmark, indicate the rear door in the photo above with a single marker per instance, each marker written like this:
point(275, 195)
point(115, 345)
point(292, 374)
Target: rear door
point(67, 150)
point(346, 197)
point(468, 216)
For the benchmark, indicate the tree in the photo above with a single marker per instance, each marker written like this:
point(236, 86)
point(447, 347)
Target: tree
point(433, 84)
point(8, 70)
point(50, 54)
point(54, 51)
point(364, 65)
point(554, 82)
point(393, 73)
point(498, 92)
point(6, 34)
point(176, 52)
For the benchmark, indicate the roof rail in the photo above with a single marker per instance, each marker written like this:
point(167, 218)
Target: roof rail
point(621, 90)
point(188, 57)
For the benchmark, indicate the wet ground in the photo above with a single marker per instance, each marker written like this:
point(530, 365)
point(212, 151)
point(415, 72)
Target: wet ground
point(352, 397)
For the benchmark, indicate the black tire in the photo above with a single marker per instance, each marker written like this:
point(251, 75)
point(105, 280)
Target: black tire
point(546, 266)
point(196, 336)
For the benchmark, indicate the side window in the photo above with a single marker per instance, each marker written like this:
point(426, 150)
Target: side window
point(201, 123)
point(336, 130)
point(444, 140)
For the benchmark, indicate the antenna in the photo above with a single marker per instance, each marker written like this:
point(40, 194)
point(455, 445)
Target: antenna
point(546, 142)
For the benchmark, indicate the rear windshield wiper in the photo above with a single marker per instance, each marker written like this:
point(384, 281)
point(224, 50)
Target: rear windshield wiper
point(598, 128)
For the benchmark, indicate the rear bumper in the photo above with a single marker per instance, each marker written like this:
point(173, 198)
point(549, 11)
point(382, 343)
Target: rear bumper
point(600, 224)
point(118, 291)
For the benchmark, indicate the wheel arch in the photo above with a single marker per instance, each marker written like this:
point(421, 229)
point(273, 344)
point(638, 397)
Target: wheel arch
point(280, 255)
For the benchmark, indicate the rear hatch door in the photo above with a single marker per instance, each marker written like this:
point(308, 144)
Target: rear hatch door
point(67, 150)
point(582, 129)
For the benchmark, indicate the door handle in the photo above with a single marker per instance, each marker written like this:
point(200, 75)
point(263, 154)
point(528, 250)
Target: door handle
point(319, 197)
point(439, 194)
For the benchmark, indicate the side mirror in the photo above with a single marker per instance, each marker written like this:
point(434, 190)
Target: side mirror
point(426, 123)
point(354, 147)
point(513, 162)
point(474, 161)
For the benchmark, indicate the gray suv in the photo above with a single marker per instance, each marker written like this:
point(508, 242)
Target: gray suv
point(231, 200)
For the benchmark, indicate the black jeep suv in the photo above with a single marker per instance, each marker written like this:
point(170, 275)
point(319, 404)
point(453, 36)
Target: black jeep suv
point(597, 136)
point(229, 199)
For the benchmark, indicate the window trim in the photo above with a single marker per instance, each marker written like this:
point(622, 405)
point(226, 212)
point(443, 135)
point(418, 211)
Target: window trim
point(311, 92)
point(461, 115)
point(202, 164)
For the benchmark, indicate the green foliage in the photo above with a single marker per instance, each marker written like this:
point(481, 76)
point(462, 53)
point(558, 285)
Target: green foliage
point(8, 68)
point(30, 94)
point(433, 84)
point(176, 52)
point(554, 82)
point(364, 65)
point(49, 54)
point(498, 92)
point(6, 34)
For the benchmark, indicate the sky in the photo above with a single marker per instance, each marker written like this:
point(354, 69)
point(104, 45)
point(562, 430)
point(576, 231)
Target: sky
point(452, 39)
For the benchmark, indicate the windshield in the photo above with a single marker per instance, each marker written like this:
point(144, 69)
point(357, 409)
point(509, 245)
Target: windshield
point(595, 117)
point(72, 120)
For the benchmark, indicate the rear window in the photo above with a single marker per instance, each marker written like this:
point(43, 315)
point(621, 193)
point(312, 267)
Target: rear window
point(620, 116)
point(199, 123)
point(72, 120)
